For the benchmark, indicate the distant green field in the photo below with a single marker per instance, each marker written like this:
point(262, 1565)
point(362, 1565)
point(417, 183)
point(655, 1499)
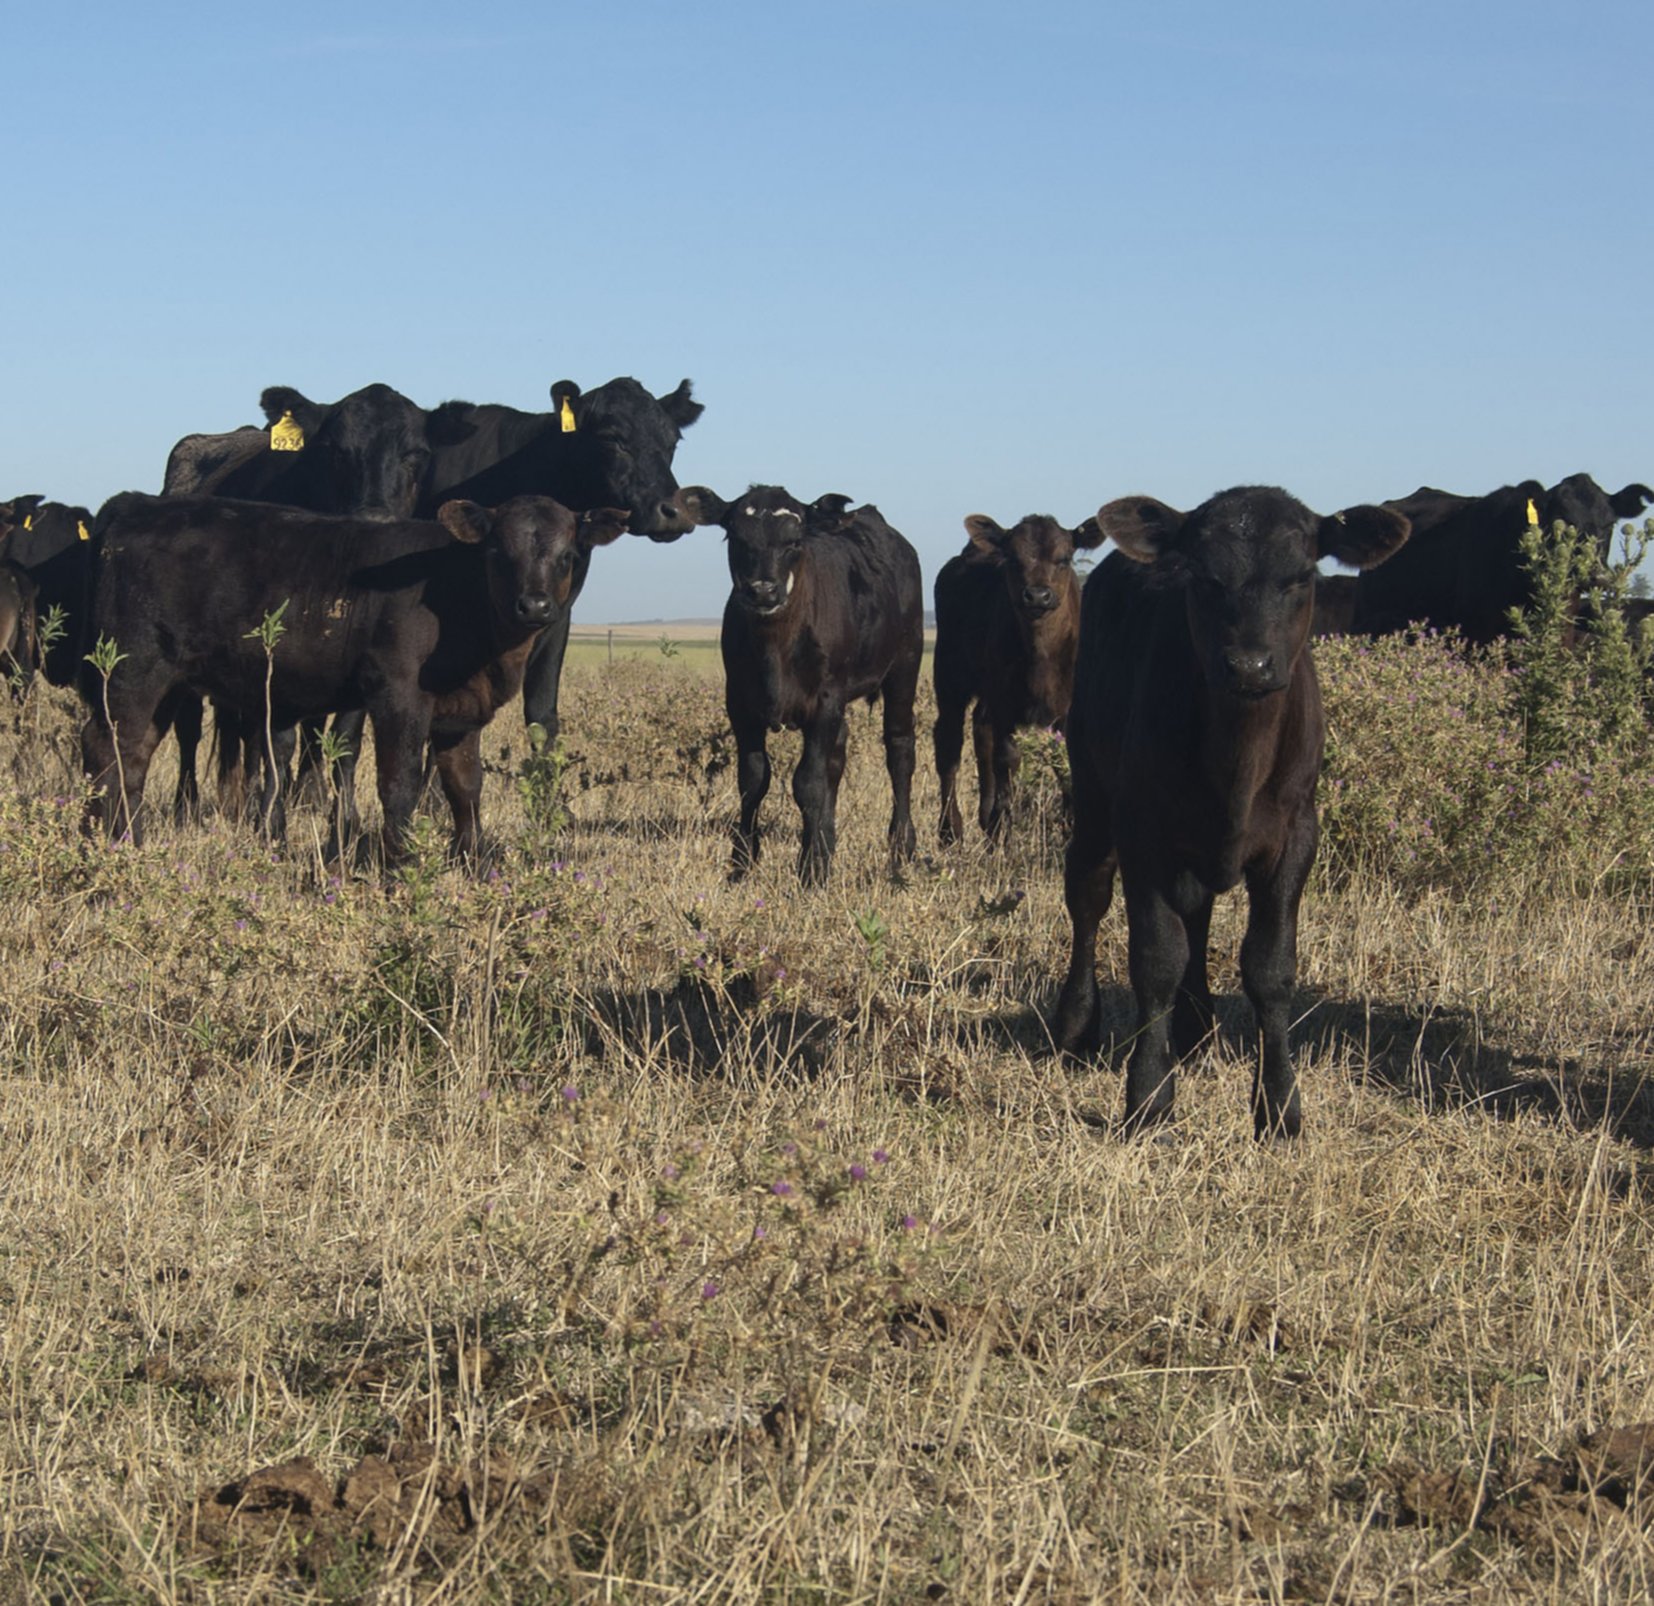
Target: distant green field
point(696, 655)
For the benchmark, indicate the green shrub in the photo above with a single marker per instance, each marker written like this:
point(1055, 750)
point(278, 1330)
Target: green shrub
point(1502, 769)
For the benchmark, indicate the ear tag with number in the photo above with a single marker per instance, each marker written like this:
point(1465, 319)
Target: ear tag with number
point(1533, 512)
point(567, 417)
point(285, 435)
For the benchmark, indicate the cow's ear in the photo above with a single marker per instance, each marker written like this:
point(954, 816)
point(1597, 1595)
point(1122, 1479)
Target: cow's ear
point(826, 512)
point(986, 536)
point(1631, 501)
point(1088, 533)
point(601, 525)
point(1362, 536)
point(563, 396)
point(681, 407)
point(281, 399)
point(702, 505)
point(465, 521)
point(1141, 527)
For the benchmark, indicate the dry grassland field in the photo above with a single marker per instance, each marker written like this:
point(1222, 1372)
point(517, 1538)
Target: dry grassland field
point(595, 1228)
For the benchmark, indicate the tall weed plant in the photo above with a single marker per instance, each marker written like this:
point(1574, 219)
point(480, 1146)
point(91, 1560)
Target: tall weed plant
point(1488, 772)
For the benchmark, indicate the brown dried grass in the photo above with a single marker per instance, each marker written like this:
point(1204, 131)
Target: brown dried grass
point(317, 1286)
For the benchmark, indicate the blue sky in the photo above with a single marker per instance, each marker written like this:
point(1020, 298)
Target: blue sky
point(947, 258)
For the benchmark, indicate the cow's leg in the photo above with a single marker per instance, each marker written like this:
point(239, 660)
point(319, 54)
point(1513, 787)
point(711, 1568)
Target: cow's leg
point(348, 730)
point(275, 750)
point(400, 730)
point(815, 789)
point(949, 737)
point(982, 740)
point(459, 767)
point(116, 764)
point(1193, 1018)
point(186, 713)
point(312, 784)
point(232, 762)
point(752, 774)
point(542, 676)
point(1088, 890)
point(900, 745)
point(1006, 761)
point(1159, 955)
point(1269, 967)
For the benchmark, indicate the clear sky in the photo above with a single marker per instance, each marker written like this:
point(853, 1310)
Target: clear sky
point(945, 257)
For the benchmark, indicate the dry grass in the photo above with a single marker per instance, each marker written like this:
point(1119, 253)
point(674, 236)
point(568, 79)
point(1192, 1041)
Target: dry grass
point(525, 1206)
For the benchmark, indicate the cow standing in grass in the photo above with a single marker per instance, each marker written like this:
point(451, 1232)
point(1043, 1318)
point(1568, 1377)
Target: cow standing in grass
point(1194, 741)
point(826, 606)
point(427, 626)
point(1462, 568)
point(1007, 627)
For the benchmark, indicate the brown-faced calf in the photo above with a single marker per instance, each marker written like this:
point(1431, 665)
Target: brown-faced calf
point(1007, 625)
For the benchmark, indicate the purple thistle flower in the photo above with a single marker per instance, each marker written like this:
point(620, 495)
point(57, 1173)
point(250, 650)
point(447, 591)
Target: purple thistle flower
point(910, 1223)
point(858, 1173)
point(571, 1094)
point(669, 1171)
point(782, 1189)
point(710, 1290)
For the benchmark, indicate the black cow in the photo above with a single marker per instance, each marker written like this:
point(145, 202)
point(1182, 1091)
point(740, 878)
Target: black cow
point(1462, 569)
point(1007, 625)
point(51, 543)
point(425, 625)
point(365, 455)
point(19, 643)
point(608, 447)
point(1194, 741)
point(826, 606)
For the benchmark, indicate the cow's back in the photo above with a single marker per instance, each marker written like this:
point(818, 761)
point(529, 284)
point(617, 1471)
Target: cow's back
point(189, 582)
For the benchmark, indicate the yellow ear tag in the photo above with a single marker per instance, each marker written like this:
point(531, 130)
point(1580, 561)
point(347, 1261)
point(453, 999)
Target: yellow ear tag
point(28, 522)
point(81, 530)
point(1533, 512)
point(285, 435)
point(567, 416)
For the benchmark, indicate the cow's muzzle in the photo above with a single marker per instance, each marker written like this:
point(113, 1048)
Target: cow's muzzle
point(666, 521)
point(764, 597)
point(1252, 674)
point(535, 608)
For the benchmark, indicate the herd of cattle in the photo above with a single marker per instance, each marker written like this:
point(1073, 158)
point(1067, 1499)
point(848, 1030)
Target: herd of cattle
point(371, 558)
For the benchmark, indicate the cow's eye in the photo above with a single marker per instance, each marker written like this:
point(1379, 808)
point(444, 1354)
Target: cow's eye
point(565, 560)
